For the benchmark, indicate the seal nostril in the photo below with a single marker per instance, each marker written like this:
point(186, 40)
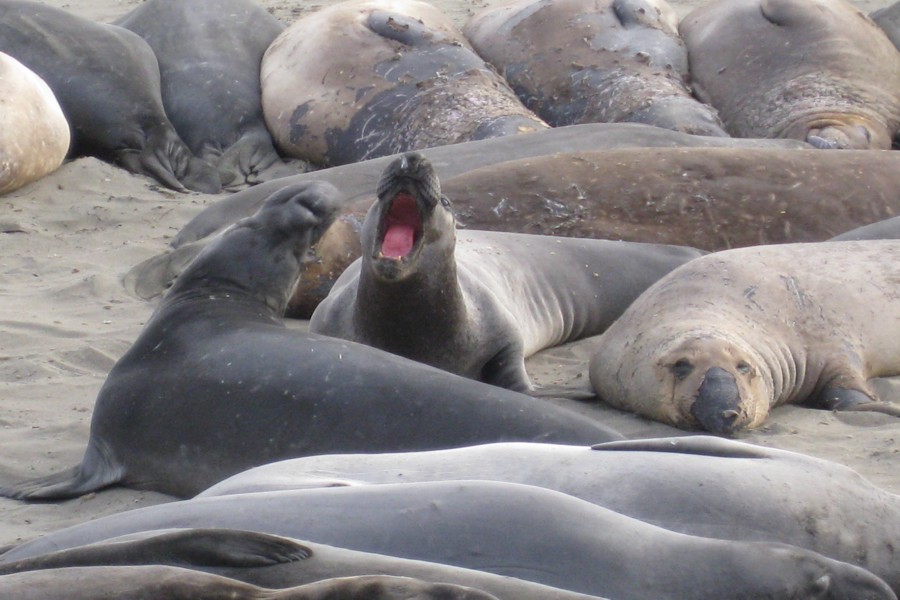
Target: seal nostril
point(717, 404)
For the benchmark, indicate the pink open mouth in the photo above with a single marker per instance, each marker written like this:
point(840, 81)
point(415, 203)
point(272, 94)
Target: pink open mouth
point(401, 226)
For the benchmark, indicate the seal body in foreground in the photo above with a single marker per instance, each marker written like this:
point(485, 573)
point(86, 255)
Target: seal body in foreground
point(368, 78)
point(34, 133)
point(209, 54)
point(508, 529)
point(582, 61)
point(731, 490)
point(814, 70)
point(718, 342)
point(215, 383)
point(479, 305)
point(107, 82)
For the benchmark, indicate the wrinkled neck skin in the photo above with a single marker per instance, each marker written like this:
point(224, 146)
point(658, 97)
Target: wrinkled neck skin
point(249, 264)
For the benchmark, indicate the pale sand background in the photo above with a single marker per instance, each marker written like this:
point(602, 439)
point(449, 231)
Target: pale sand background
point(65, 318)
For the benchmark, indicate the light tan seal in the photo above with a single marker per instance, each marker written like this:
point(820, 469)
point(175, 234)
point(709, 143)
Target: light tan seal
point(814, 70)
point(721, 340)
point(369, 78)
point(34, 133)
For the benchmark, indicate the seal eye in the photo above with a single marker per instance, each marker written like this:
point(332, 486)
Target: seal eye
point(445, 201)
point(682, 368)
point(743, 367)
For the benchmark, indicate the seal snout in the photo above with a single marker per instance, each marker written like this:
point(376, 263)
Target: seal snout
point(717, 404)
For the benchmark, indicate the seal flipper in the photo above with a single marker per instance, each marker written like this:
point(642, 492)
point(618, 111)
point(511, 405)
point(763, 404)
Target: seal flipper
point(217, 548)
point(702, 445)
point(838, 398)
point(96, 471)
point(507, 369)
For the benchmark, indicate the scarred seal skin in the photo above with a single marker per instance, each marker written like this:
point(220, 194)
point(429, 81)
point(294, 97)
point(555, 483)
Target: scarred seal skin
point(34, 133)
point(813, 70)
point(718, 342)
point(589, 61)
point(106, 80)
point(369, 78)
point(477, 303)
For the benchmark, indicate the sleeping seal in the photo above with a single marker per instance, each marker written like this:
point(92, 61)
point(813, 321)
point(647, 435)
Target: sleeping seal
point(477, 303)
point(583, 61)
point(215, 383)
point(813, 70)
point(718, 342)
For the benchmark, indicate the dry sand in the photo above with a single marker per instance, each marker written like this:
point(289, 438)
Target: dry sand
point(68, 240)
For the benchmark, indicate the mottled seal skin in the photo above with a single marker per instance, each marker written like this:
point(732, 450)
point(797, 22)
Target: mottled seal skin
point(477, 303)
point(584, 61)
point(508, 529)
point(209, 54)
point(369, 78)
point(176, 583)
point(731, 490)
point(718, 342)
point(215, 383)
point(888, 18)
point(34, 133)
point(886, 229)
point(277, 562)
point(107, 82)
point(814, 70)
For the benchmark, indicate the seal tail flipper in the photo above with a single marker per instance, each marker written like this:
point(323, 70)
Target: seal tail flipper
point(845, 399)
point(97, 470)
point(703, 445)
point(220, 548)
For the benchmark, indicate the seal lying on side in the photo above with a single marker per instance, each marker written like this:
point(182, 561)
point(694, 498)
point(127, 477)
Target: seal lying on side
point(508, 529)
point(582, 61)
point(107, 82)
point(368, 78)
point(277, 562)
point(478, 306)
point(718, 342)
point(174, 583)
point(731, 490)
point(34, 133)
point(216, 384)
point(209, 54)
point(814, 70)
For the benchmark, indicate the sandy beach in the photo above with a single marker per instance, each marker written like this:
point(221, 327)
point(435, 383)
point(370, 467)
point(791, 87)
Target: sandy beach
point(67, 241)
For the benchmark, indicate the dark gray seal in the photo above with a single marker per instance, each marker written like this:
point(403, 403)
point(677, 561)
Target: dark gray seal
point(731, 490)
point(718, 342)
point(477, 303)
point(887, 229)
point(367, 78)
point(584, 61)
point(34, 133)
point(107, 82)
point(814, 70)
point(508, 529)
point(888, 18)
point(216, 384)
point(272, 562)
point(209, 52)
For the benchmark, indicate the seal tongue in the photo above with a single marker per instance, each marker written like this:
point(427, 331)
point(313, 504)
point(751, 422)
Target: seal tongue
point(400, 227)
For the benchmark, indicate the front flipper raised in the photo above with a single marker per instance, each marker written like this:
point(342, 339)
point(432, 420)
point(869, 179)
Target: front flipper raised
point(182, 548)
point(702, 445)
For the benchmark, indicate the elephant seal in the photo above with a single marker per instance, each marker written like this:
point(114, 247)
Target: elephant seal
point(887, 229)
point(508, 529)
point(368, 78)
point(215, 374)
point(733, 490)
point(888, 18)
point(276, 562)
point(209, 54)
point(718, 342)
point(107, 82)
point(477, 303)
point(34, 133)
point(814, 70)
point(175, 583)
point(583, 61)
